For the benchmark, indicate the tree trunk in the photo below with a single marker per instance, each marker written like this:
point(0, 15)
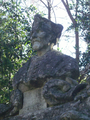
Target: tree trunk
point(77, 44)
point(77, 33)
point(49, 9)
point(74, 21)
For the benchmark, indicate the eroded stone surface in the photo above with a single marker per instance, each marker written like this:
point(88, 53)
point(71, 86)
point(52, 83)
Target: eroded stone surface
point(77, 109)
point(58, 91)
point(33, 101)
point(16, 100)
point(52, 64)
point(69, 111)
point(4, 108)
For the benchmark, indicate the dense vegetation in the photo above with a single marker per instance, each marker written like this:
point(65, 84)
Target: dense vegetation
point(84, 25)
point(15, 44)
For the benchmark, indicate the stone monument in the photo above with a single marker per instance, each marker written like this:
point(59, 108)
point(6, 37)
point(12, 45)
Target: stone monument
point(46, 86)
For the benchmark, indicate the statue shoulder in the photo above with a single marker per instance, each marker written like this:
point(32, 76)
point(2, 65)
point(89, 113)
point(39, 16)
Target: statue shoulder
point(21, 73)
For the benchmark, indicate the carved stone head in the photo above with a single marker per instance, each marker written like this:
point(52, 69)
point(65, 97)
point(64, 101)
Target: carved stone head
point(44, 32)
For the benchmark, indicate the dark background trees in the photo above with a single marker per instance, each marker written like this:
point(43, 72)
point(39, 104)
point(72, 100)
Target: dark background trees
point(15, 44)
point(84, 18)
point(79, 13)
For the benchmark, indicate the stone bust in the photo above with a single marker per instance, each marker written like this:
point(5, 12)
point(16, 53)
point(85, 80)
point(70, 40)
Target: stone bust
point(44, 34)
point(47, 65)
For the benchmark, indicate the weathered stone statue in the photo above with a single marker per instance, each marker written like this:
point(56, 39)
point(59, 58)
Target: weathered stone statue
point(46, 86)
point(47, 65)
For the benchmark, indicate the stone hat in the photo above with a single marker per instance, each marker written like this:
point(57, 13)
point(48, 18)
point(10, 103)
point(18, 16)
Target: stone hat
point(48, 26)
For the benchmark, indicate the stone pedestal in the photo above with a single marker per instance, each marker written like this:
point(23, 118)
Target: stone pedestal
point(32, 101)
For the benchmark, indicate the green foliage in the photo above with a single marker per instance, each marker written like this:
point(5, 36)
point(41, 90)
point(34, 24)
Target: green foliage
point(82, 17)
point(85, 59)
point(15, 44)
point(84, 20)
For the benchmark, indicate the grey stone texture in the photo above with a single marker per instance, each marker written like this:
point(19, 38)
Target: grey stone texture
point(75, 110)
point(33, 101)
point(38, 70)
point(16, 100)
point(5, 110)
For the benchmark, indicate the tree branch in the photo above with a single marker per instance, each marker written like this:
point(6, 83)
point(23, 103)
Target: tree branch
point(44, 4)
point(66, 5)
point(54, 13)
point(68, 11)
